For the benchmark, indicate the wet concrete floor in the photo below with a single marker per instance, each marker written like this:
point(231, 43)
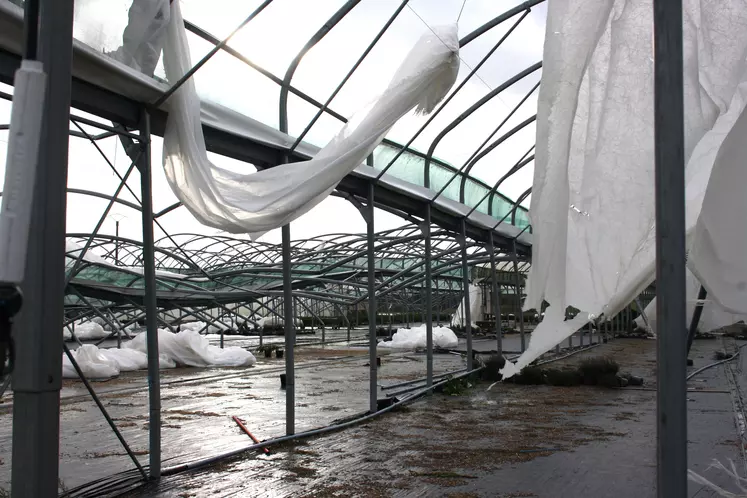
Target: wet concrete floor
point(512, 441)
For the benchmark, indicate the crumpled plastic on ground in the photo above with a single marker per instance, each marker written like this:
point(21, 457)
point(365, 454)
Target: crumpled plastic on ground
point(87, 331)
point(92, 362)
point(188, 348)
point(592, 208)
point(258, 202)
point(414, 338)
point(100, 363)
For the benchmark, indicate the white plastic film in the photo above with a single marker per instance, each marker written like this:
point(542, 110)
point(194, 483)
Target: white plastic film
point(144, 35)
point(475, 308)
point(592, 208)
point(415, 338)
point(258, 202)
point(713, 315)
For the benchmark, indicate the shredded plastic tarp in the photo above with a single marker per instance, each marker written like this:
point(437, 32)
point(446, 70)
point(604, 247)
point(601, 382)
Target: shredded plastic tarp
point(143, 37)
point(475, 308)
point(712, 317)
point(258, 202)
point(98, 363)
point(592, 209)
point(188, 348)
point(92, 362)
point(414, 338)
point(87, 331)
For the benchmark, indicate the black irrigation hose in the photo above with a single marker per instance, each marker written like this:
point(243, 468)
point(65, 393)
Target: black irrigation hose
point(703, 369)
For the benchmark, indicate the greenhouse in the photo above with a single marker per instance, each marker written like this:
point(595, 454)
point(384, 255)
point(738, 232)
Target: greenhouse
point(372, 248)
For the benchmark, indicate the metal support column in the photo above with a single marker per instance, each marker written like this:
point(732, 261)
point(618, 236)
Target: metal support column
point(465, 285)
point(428, 297)
point(290, 336)
point(373, 387)
point(38, 342)
point(702, 294)
point(669, 152)
point(519, 313)
point(496, 296)
point(151, 309)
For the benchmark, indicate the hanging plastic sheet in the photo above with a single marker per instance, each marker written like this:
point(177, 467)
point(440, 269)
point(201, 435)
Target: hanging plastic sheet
point(258, 202)
point(713, 316)
point(143, 37)
point(475, 308)
point(592, 208)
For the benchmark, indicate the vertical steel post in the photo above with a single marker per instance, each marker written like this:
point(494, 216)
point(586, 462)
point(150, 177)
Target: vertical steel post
point(670, 249)
point(465, 285)
point(519, 312)
point(151, 310)
point(290, 335)
point(496, 297)
point(116, 242)
point(373, 388)
point(428, 296)
point(38, 343)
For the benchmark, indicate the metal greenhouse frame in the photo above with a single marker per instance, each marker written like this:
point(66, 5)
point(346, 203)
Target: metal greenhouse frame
point(422, 266)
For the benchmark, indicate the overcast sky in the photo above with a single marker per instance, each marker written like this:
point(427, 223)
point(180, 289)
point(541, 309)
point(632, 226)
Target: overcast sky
point(272, 40)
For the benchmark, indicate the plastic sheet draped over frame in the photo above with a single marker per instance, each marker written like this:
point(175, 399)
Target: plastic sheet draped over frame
point(712, 317)
point(592, 209)
point(475, 308)
point(258, 202)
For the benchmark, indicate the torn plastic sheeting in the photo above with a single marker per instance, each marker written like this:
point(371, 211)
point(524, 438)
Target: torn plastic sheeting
point(261, 201)
point(99, 363)
point(414, 338)
point(92, 362)
point(188, 348)
point(475, 307)
point(720, 240)
point(87, 331)
point(712, 317)
point(592, 205)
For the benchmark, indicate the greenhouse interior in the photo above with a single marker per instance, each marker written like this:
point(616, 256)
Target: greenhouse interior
point(461, 248)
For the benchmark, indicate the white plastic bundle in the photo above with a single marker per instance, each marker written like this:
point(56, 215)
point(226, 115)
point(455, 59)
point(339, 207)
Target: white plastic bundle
point(92, 362)
point(592, 208)
point(414, 338)
point(258, 202)
point(99, 364)
point(188, 348)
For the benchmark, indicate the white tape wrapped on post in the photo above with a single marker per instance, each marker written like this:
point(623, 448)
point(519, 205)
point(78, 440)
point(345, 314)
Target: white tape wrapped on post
point(20, 171)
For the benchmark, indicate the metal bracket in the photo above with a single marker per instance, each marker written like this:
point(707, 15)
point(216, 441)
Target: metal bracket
point(362, 209)
point(461, 240)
